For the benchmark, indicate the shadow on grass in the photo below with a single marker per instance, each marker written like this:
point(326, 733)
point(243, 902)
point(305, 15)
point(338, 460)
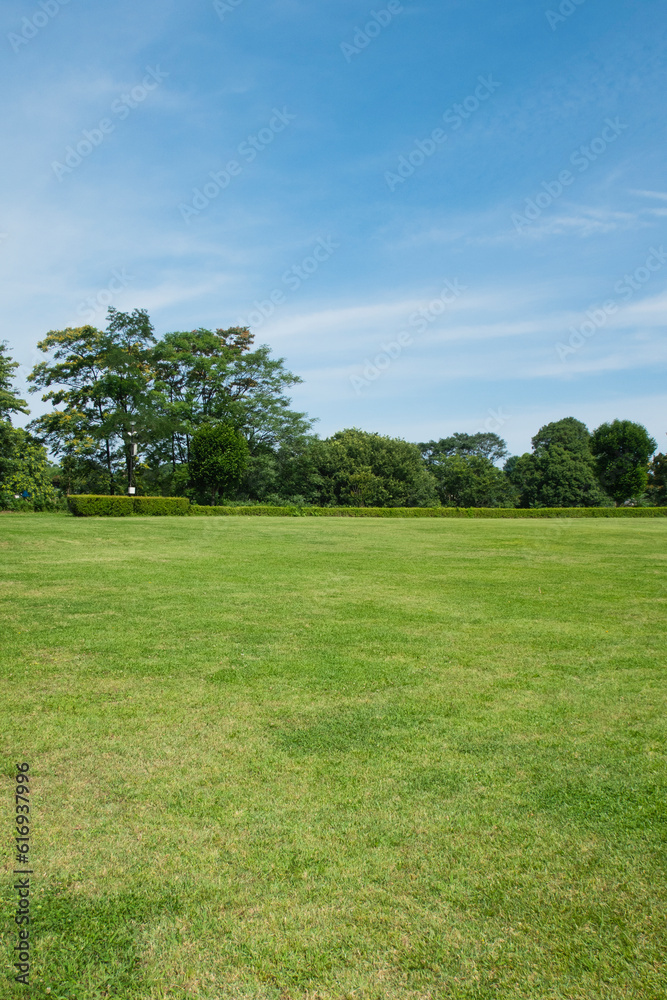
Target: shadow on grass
point(87, 949)
point(371, 729)
point(613, 805)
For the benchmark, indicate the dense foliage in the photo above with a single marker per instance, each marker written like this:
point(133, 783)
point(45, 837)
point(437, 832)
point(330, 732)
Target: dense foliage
point(104, 383)
point(560, 471)
point(25, 481)
point(358, 469)
point(218, 459)
point(203, 415)
point(657, 480)
point(622, 452)
point(463, 467)
point(482, 445)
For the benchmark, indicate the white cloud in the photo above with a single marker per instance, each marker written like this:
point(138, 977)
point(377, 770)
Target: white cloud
point(661, 195)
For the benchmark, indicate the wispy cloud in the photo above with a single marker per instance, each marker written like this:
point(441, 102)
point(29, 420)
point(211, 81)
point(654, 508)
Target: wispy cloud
point(494, 347)
point(660, 195)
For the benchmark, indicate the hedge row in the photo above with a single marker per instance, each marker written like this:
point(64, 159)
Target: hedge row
point(126, 506)
point(506, 512)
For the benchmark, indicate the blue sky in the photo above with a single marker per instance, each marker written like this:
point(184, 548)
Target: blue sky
point(445, 215)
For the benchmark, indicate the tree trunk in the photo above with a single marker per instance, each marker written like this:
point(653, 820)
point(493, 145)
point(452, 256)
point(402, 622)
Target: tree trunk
point(111, 480)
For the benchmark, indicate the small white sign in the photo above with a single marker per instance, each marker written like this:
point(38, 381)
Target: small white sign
point(131, 490)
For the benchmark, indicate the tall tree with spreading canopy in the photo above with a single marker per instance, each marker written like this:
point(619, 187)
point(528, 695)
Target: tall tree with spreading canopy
point(207, 375)
point(103, 383)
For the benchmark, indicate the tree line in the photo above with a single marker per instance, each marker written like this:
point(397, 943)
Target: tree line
point(205, 414)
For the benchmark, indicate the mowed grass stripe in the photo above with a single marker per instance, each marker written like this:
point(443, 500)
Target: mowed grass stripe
point(339, 758)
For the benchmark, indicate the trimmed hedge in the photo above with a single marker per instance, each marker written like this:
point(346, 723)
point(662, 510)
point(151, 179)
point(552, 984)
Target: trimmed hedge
point(506, 512)
point(125, 506)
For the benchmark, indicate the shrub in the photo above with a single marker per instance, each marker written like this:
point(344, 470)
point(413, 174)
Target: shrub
point(411, 512)
point(125, 506)
point(84, 505)
point(161, 506)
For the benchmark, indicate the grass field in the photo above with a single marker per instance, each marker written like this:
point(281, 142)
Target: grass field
point(298, 759)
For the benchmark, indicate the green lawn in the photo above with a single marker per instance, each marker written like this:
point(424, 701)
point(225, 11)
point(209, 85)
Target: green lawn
point(313, 759)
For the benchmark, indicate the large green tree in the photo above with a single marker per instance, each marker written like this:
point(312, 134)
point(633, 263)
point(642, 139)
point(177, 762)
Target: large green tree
point(657, 481)
point(360, 469)
point(622, 451)
point(463, 465)
point(473, 481)
point(24, 471)
point(218, 458)
point(285, 473)
point(102, 383)
point(560, 472)
point(481, 445)
point(569, 433)
point(206, 375)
